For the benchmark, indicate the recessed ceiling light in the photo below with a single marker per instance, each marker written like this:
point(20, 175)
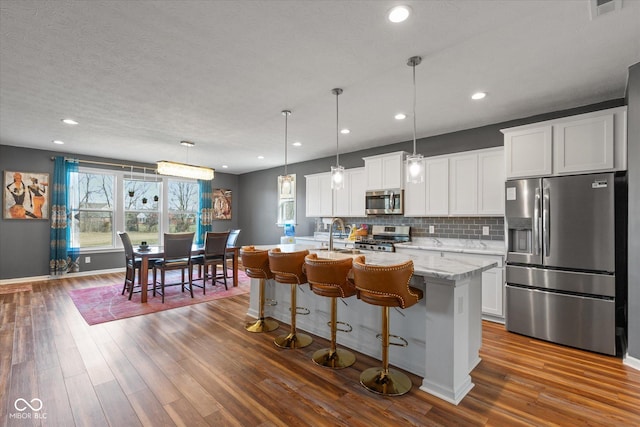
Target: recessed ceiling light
point(345, 131)
point(400, 116)
point(224, 166)
point(57, 141)
point(478, 95)
point(297, 144)
point(69, 121)
point(399, 14)
point(261, 157)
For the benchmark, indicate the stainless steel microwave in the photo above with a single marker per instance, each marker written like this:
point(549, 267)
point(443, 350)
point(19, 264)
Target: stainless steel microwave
point(384, 202)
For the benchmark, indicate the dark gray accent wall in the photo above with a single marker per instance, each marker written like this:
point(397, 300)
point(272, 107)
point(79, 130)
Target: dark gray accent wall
point(633, 153)
point(24, 244)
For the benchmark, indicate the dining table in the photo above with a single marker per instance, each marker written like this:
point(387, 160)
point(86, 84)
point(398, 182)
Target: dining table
point(158, 252)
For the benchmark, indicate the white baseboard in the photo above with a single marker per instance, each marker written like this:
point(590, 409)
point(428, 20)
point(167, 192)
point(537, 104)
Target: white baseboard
point(631, 362)
point(41, 278)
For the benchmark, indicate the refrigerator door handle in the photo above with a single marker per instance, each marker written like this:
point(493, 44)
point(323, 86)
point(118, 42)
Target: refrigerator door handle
point(536, 222)
point(545, 222)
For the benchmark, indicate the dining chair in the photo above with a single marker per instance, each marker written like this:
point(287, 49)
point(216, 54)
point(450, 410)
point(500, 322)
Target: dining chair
point(132, 264)
point(177, 256)
point(215, 253)
point(232, 241)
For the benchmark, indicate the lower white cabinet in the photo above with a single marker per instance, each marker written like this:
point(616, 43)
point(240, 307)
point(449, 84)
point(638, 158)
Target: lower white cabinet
point(492, 280)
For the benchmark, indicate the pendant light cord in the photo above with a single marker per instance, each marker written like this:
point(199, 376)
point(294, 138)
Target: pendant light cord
point(337, 92)
point(286, 130)
point(414, 108)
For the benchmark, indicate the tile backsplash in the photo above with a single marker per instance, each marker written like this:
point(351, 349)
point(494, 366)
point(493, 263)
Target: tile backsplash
point(443, 227)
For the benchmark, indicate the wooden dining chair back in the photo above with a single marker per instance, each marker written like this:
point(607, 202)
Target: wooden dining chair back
point(131, 264)
point(177, 256)
point(215, 253)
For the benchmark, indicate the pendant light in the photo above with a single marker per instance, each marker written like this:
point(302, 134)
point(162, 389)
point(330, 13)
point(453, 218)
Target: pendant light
point(415, 170)
point(337, 171)
point(286, 180)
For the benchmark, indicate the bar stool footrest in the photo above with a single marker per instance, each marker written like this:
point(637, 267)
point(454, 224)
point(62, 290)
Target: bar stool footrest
point(404, 342)
point(350, 328)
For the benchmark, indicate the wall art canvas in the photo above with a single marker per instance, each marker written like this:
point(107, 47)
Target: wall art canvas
point(221, 204)
point(25, 195)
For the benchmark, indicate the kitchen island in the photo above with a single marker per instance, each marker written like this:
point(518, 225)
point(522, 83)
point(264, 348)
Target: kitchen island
point(444, 330)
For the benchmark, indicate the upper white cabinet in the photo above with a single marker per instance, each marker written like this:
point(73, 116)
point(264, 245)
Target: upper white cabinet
point(491, 177)
point(528, 152)
point(463, 187)
point(349, 201)
point(319, 198)
point(586, 143)
point(385, 171)
point(465, 184)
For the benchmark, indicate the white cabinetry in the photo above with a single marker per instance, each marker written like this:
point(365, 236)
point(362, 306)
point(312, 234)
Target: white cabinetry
point(460, 184)
point(319, 198)
point(385, 171)
point(586, 143)
point(491, 179)
point(349, 201)
point(463, 187)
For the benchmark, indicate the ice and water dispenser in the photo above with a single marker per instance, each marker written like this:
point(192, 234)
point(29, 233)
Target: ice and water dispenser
point(522, 221)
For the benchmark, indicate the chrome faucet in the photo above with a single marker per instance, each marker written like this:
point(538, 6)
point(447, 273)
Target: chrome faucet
point(341, 224)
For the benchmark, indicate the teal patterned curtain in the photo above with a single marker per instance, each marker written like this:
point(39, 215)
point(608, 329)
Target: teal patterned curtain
point(64, 257)
point(205, 210)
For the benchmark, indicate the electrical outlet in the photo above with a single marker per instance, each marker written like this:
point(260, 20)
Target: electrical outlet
point(432, 229)
point(87, 260)
point(485, 230)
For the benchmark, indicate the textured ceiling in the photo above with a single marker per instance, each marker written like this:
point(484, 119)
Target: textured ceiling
point(142, 76)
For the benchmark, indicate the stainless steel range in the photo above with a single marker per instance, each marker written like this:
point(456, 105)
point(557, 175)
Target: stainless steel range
point(383, 237)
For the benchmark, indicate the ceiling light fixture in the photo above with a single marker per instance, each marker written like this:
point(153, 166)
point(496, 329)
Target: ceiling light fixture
point(260, 157)
point(185, 170)
point(345, 131)
point(478, 95)
point(297, 144)
point(400, 116)
point(337, 171)
point(225, 166)
point(69, 121)
point(415, 171)
point(57, 141)
point(399, 14)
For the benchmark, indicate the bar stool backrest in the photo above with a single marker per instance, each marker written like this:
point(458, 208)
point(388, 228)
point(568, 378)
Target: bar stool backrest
point(328, 277)
point(255, 262)
point(384, 285)
point(287, 266)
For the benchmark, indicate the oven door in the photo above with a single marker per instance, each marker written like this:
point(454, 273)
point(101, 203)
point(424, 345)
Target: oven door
point(386, 202)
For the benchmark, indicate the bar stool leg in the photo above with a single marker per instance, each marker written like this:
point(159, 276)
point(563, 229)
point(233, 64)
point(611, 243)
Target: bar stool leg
point(333, 357)
point(293, 340)
point(383, 380)
point(262, 324)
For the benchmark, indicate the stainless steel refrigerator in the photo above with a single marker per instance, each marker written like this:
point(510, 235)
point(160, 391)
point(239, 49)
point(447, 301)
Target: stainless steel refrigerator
point(566, 251)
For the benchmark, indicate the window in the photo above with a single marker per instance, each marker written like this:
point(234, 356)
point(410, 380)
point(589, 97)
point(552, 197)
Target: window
point(142, 210)
point(142, 204)
point(183, 206)
point(94, 209)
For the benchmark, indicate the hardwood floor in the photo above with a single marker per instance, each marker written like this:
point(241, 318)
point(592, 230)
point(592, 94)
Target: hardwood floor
point(197, 366)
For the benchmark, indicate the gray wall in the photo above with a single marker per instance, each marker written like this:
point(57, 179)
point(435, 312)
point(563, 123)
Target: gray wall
point(633, 153)
point(24, 244)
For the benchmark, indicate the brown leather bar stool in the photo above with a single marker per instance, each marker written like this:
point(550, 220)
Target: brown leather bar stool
point(328, 278)
point(386, 286)
point(287, 268)
point(256, 264)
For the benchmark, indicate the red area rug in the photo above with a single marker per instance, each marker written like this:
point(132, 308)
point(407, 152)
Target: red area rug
point(105, 303)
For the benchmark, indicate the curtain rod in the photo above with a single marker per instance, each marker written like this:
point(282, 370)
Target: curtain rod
point(119, 165)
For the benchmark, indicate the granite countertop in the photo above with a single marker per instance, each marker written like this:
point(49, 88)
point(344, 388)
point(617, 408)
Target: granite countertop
point(467, 246)
point(424, 265)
